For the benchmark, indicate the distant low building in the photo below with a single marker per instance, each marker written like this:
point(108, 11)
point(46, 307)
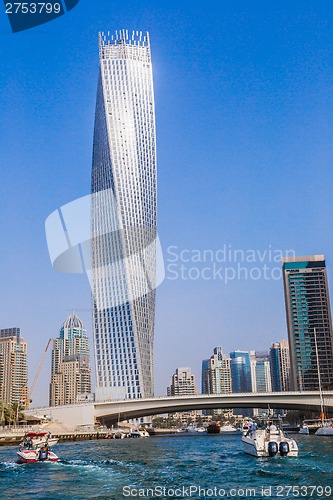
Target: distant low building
point(71, 372)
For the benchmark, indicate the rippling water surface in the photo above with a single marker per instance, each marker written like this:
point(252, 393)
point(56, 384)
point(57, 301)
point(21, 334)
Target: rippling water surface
point(101, 469)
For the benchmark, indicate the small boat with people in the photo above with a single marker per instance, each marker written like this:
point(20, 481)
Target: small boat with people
point(269, 440)
point(36, 447)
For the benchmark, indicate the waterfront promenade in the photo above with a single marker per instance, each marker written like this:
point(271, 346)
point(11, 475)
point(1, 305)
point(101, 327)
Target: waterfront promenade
point(12, 435)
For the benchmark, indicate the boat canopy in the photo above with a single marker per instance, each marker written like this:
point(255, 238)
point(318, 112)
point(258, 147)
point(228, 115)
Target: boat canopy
point(35, 434)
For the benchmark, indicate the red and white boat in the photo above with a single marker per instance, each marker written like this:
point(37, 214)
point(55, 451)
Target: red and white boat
point(36, 448)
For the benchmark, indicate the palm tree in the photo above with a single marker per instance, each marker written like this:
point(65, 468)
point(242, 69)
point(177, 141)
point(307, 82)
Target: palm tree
point(7, 414)
point(17, 414)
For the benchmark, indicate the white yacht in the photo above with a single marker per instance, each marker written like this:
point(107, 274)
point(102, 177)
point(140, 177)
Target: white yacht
point(269, 442)
point(190, 429)
point(326, 429)
point(138, 433)
point(230, 430)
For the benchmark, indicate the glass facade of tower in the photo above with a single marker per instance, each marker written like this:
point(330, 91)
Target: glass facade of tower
point(280, 366)
point(241, 376)
point(241, 371)
point(262, 373)
point(308, 310)
point(123, 251)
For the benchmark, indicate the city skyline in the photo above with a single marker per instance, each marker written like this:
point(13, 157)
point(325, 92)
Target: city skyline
point(284, 367)
point(244, 115)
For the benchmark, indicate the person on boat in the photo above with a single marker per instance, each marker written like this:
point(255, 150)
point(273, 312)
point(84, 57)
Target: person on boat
point(272, 427)
point(253, 426)
point(27, 443)
point(43, 453)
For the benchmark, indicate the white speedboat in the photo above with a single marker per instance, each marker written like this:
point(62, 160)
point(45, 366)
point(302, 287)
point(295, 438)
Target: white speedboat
point(246, 425)
point(36, 448)
point(230, 430)
point(304, 429)
point(190, 429)
point(118, 434)
point(138, 433)
point(269, 442)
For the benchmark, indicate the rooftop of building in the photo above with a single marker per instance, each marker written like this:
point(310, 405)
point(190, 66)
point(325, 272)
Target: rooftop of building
point(305, 258)
point(73, 321)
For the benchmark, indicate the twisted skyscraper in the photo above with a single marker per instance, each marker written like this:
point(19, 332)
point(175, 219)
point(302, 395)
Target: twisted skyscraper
point(123, 221)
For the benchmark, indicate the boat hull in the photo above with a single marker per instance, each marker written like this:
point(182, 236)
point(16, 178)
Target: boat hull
point(324, 431)
point(258, 444)
point(32, 456)
point(230, 430)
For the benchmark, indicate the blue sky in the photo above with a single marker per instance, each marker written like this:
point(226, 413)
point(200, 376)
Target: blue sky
point(244, 113)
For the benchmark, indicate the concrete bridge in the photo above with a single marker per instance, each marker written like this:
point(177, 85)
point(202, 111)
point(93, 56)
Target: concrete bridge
point(109, 412)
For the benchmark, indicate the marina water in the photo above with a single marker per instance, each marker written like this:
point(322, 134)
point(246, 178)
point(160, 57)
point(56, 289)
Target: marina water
point(169, 467)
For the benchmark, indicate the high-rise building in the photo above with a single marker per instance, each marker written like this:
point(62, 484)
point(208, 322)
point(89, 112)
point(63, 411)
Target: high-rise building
point(10, 332)
point(240, 364)
point(308, 311)
point(182, 383)
point(241, 376)
point(123, 250)
point(216, 377)
point(280, 366)
point(13, 367)
point(70, 372)
point(216, 374)
point(262, 372)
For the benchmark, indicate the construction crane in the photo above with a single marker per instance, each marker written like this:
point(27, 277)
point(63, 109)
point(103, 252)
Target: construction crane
point(40, 366)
